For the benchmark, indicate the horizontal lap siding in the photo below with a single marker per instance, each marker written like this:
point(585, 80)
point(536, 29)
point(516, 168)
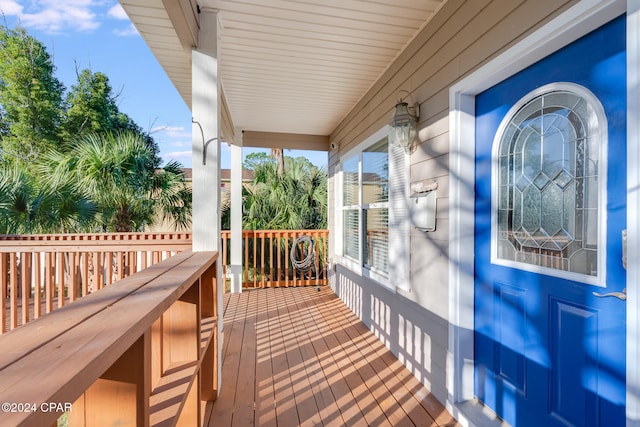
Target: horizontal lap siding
point(460, 38)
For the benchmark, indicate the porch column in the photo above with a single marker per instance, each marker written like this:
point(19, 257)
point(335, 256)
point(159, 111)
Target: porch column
point(205, 136)
point(205, 143)
point(236, 213)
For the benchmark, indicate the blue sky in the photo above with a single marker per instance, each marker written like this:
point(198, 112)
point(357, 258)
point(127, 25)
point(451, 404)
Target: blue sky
point(97, 34)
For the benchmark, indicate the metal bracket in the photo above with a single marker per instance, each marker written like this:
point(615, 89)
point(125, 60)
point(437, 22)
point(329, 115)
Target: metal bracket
point(204, 143)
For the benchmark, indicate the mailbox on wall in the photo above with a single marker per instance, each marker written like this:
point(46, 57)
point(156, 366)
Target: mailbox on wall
point(423, 205)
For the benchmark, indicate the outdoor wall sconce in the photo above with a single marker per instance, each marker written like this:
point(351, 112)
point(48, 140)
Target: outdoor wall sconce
point(404, 126)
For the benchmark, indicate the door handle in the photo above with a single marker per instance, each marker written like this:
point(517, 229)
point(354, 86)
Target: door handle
point(620, 295)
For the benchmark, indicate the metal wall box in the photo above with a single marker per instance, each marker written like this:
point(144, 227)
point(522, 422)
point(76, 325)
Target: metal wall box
point(423, 210)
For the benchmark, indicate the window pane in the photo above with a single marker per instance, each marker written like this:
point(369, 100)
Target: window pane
point(375, 173)
point(548, 208)
point(351, 233)
point(350, 182)
point(376, 253)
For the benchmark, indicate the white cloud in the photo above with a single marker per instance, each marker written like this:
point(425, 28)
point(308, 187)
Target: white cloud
point(53, 16)
point(131, 30)
point(117, 12)
point(174, 154)
point(171, 131)
point(10, 8)
point(180, 144)
point(184, 157)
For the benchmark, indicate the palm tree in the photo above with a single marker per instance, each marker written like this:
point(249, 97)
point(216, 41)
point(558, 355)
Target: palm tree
point(29, 206)
point(295, 199)
point(117, 172)
point(278, 154)
point(292, 200)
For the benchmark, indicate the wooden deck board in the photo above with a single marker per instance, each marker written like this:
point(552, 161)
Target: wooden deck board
point(298, 356)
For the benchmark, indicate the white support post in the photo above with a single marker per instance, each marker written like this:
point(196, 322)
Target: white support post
point(205, 108)
point(236, 213)
point(205, 136)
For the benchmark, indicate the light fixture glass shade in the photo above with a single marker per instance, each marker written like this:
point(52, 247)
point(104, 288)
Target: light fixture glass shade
point(404, 127)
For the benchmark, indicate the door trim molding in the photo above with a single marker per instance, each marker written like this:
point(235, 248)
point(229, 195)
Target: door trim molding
point(579, 20)
point(633, 212)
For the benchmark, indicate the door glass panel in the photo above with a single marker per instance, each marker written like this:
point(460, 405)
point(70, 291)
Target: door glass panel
point(547, 185)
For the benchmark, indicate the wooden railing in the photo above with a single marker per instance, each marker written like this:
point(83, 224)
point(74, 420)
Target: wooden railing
point(266, 258)
point(39, 273)
point(142, 352)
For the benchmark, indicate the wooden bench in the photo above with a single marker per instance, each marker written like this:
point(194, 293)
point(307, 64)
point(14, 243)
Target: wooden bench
point(141, 352)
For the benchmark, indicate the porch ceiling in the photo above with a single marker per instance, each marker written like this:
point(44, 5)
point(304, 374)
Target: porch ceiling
point(289, 66)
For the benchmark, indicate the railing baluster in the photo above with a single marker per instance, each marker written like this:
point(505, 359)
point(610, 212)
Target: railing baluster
point(85, 274)
point(4, 282)
point(60, 278)
point(13, 283)
point(256, 268)
point(263, 237)
point(48, 282)
point(108, 268)
point(279, 257)
point(245, 278)
point(73, 287)
point(120, 272)
point(25, 279)
point(37, 296)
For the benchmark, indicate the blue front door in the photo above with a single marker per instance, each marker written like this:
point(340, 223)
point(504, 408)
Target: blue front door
point(550, 211)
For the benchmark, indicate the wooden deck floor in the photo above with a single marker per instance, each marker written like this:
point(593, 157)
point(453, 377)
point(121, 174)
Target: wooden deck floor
point(300, 357)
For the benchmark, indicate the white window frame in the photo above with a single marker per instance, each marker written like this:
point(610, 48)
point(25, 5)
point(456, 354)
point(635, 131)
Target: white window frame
point(397, 277)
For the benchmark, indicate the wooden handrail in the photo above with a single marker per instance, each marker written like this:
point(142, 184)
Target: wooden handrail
point(142, 353)
point(96, 242)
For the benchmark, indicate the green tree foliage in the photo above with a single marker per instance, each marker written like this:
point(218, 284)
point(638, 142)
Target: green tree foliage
point(253, 160)
point(30, 95)
point(91, 105)
point(116, 171)
point(78, 163)
point(27, 207)
point(296, 198)
point(92, 108)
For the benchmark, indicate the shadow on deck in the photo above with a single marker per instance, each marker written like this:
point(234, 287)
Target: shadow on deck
point(300, 357)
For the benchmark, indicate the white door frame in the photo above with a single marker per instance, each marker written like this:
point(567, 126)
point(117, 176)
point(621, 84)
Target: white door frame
point(584, 17)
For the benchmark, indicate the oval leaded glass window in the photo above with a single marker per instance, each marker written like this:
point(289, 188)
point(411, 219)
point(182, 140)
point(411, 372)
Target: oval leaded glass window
point(548, 193)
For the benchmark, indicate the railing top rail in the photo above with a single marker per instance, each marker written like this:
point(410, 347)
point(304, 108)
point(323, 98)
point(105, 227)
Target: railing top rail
point(299, 231)
point(51, 358)
point(96, 242)
point(96, 236)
